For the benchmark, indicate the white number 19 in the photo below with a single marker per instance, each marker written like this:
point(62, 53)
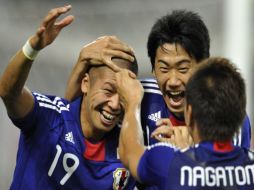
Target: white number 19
point(68, 169)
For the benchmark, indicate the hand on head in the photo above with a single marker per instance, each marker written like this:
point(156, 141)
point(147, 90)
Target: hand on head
point(102, 50)
point(129, 88)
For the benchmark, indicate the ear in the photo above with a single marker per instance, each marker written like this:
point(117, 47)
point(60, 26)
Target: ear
point(188, 115)
point(85, 84)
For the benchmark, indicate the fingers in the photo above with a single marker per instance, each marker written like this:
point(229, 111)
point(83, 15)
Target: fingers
point(120, 46)
point(116, 44)
point(182, 137)
point(65, 21)
point(103, 49)
point(163, 121)
point(40, 31)
point(177, 136)
point(54, 13)
point(132, 75)
point(126, 83)
point(119, 53)
point(113, 66)
point(163, 130)
point(115, 48)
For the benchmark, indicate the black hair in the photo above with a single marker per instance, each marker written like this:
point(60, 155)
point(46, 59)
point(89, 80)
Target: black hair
point(216, 92)
point(181, 27)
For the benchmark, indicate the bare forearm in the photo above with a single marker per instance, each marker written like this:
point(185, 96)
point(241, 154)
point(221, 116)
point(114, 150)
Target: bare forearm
point(15, 76)
point(131, 145)
point(73, 86)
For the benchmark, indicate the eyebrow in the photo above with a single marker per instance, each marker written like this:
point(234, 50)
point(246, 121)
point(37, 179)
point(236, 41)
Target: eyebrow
point(111, 84)
point(184, 61)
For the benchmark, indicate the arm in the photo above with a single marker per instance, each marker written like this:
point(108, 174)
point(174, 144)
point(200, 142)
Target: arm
point(17, 98)
point(131, 146)
point(98, 52)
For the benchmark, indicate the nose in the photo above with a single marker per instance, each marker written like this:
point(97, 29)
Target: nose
point(114, 102)
point(173, 80)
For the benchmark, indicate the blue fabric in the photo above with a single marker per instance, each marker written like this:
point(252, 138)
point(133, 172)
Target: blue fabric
point(200, 167)
point(51, 147)
point(154, 108)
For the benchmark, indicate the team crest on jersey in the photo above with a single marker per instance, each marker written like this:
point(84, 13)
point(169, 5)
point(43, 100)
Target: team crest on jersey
point(121, 177)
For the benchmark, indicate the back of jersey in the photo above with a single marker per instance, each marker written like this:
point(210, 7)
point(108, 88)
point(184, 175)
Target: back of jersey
point(203, 168)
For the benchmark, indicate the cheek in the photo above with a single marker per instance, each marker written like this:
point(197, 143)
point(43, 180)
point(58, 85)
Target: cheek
point(186, 77)
point(97, 99)
point(162, 79)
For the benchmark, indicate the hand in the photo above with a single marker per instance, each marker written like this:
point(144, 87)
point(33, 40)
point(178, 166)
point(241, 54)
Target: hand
point(129, 88)
point(49, 28)
point(178, 136)
point(102, 50)
point(163, 131)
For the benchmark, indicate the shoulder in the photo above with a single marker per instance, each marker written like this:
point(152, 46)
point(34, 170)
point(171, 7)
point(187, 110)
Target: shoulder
point(155, 162)
point(156, 151)
point(150, 86)
point(49, 102)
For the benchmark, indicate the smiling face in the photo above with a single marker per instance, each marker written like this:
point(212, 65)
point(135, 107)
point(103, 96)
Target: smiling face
point(101, 109)
point(173, 68)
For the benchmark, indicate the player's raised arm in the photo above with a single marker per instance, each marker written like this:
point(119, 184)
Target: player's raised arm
point(99, 52)
point(131, 143)
point(18, 99)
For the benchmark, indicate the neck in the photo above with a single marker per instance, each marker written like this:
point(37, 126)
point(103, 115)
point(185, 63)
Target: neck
point(89, 131)
point(195, 135)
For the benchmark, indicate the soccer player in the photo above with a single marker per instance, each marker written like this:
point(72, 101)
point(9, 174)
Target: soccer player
point(66, 145)
point(214, 162)
point(176, 43)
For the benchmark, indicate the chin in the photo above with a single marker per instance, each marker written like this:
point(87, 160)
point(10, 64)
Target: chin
point(105, 128)
point(177, 112)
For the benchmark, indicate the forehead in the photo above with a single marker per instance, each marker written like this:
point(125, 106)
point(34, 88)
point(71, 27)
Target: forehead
point(105, 73)
point(102, 73)
point(169, 52)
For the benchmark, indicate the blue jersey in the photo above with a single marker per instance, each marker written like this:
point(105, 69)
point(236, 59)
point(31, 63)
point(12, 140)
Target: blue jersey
point(154, 108)
point(54, 154)
point(208, 165)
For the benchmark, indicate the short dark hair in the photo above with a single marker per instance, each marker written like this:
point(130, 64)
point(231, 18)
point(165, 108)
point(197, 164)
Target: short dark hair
point(216, 92)
point(133, 65)
point(181, 27)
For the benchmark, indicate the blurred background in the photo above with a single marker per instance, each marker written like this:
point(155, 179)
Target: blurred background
point(230, 23)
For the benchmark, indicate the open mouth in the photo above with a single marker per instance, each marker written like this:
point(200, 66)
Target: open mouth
point(108, 118)
point(176, 97)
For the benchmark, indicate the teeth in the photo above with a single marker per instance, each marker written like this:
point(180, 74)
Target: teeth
point(107, 115)
point(175, 93)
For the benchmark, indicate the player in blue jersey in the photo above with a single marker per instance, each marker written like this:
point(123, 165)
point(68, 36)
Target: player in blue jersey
point(176, 43)
point(66, 145)
point(215, 103)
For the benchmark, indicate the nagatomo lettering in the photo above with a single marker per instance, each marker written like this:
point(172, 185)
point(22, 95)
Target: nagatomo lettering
point(217, 176)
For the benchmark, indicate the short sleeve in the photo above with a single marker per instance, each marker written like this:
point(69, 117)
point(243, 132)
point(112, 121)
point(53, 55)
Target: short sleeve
point(45, 113)
point(153, 167)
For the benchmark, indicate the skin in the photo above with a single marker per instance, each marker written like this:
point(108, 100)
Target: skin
point(131, 142)
point(100, 109)
point(99, 52)
point(173, 68)
point(16, 97)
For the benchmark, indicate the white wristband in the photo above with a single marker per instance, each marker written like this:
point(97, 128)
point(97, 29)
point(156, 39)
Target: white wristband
point(29, 52)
